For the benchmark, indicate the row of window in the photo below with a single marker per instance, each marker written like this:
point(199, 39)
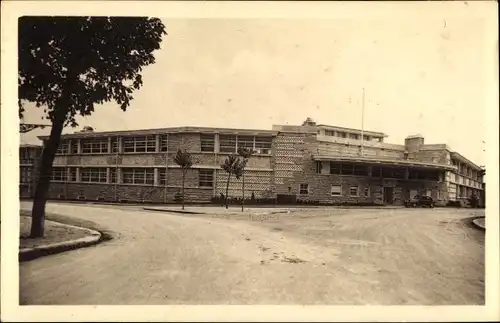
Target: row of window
point(342, 134)
point(143, 176)
point(231, 143)
point(378, 171)
point(25, 174)
point(336, 190)
point(228, 144)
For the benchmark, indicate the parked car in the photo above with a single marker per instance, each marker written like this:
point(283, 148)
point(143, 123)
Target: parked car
point(420, 200)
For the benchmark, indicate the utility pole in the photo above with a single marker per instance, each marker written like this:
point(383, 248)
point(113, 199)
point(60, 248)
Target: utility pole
point(362, 122)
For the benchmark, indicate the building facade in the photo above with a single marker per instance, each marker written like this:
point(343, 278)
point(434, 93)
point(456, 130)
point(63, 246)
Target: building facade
point(29, 156)
point(315, 163)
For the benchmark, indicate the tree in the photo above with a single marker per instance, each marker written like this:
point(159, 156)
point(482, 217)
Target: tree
point(245, 153)
point(68, 64)
point(232, 165)
point(185, 161)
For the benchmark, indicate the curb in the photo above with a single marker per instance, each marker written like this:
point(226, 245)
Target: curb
point(193, 212)
point(478, 224)
point(94, 238)
point(171, 211)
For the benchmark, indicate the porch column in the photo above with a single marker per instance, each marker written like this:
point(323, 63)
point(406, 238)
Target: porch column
point(108, 173)
point(78, 146)
point(110, 148)
point(370, 167)
point(216, 143)
point(120, 144)
point(407, 173)
point(157, 145)
point(157, 177)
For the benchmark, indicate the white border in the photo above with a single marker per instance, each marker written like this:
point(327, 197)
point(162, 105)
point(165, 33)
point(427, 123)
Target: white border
point(10, 310)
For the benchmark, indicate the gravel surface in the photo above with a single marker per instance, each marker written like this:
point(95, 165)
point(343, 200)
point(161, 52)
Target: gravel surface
point(319, 256)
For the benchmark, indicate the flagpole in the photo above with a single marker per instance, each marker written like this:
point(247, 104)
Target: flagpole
point(362, 122)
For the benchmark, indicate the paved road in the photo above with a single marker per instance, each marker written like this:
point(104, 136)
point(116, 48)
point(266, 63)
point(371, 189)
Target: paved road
point(335, 256)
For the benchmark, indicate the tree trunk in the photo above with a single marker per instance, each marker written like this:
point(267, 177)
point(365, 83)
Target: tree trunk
point(227, 188)
point(183, 178)
point(45, 171)
point(243, 189)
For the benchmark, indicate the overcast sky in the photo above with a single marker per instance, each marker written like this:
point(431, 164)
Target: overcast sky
point(426, 76)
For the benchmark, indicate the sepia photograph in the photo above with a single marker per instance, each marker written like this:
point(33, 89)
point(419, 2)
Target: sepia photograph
point(259, 154)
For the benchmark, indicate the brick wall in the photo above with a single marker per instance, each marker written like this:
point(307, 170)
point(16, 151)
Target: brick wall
point(92, 192)
point(441, 156)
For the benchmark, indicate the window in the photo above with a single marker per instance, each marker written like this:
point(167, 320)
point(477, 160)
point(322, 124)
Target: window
point(115, 145)
point(72, 175)
point(162, 177)
point(304, 189)
point(319, 167)
point(342, 134)
point(25, 174)
point(335, 168)
point(367, 138)
point(360, 170)
point(95, 146)
point(263, 145)
point(113, 175)
point(227, 144)
point(329, 133)
point(367, 191)
point(138, 176)
point(93, 175)
point(63, 148)
point(73, 149)
point(353, 136)
point(58, 174)
point(376, 171)
point(393, 172)
point(206, 178)
point(26, 156)
point(347, 169)
point(207, 143)
point(139, 144)
point(353, 191)
point(245, 142)
point(164, 142)
point(336, 190)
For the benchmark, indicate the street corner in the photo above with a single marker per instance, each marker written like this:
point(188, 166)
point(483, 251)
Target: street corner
point(59, 237)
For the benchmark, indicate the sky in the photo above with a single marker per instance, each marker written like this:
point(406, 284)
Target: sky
point(425, 76)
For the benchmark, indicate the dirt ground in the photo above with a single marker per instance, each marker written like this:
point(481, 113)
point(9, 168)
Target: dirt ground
point(320, 256)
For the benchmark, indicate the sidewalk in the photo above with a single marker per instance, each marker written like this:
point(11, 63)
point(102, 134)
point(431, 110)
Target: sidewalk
point(59, 237)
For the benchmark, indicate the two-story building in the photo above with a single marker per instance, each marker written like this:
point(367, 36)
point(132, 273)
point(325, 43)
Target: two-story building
point(320, 163)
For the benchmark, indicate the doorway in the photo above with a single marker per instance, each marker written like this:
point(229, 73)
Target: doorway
point(388, 195)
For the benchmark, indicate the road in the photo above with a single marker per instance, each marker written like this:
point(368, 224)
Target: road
point(323, 256)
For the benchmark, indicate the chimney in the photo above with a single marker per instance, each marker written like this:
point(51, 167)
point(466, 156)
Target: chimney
point(413, 143)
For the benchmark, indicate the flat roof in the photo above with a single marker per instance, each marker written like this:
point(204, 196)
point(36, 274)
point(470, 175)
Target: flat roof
point(366, 132)
point(139, 132)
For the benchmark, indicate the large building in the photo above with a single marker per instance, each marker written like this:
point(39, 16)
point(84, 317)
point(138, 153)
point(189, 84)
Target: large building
point(310, 162)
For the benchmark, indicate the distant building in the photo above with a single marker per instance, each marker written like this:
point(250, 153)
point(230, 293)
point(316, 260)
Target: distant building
point(29, 156)
point(319, 163)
